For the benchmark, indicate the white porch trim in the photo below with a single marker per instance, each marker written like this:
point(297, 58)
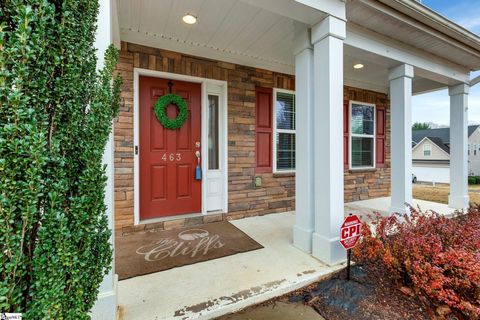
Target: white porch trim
point(304, 162)
point(458, 197)
point(327, 39)
point(137, 72)
point(105, 307)
point(401, 136)
point(431, 67)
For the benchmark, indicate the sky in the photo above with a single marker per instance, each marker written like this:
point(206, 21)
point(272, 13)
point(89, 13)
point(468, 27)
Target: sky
point(435, 107)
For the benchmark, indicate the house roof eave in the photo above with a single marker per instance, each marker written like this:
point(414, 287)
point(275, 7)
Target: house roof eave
point(429, 17)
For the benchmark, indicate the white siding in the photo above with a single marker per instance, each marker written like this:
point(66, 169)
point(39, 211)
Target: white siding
point(435, 154)
point(474, 157)
point(432, 173)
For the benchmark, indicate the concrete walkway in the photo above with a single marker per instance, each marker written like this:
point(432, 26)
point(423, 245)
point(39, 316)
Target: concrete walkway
point(213, 288)
point(382, 206)
point(276, 311)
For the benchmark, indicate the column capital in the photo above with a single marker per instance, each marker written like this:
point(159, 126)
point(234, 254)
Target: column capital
point(462, 88)
point(401, 71)
point(329, 27)
point(302, 41)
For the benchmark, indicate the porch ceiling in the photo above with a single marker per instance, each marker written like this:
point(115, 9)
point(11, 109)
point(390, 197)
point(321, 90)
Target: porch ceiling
point(257, 33)
point(374, 74)
point(234, 31)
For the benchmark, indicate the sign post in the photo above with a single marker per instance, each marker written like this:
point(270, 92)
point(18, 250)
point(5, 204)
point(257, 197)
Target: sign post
point(350, 233)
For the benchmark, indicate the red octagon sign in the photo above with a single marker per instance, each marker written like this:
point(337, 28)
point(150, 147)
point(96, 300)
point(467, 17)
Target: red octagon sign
point(350, 231)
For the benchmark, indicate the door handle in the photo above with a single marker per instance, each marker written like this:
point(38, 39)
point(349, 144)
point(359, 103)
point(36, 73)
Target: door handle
point(198, 169)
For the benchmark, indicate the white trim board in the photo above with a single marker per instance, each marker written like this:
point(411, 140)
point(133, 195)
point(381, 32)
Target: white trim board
point(220, 88)
point(374, 156)
point(275, 130)
point(426, 65)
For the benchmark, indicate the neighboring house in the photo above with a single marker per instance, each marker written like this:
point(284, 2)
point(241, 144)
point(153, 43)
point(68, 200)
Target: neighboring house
point(292, 105)
point(431, 153)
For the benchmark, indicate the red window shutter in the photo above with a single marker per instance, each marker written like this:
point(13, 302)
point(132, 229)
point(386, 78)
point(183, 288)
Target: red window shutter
point(380, 137)
point(263, 130)
point(345, 133)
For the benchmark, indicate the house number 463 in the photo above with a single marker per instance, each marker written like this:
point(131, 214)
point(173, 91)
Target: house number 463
point(172, 157)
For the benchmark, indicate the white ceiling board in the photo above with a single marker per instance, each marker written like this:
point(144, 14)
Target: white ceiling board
point(293, 10)
point(261, 23)
point(233, 23)
point(129, 13)
point(176, 27)
point(374, 74)
point(155, 15)
point(282, 49)
point(245, 32)
point(264, 42)
point(205, 51)
point(205, 27)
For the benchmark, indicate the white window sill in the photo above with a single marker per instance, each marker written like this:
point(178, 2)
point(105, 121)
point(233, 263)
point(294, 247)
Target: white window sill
point(363, 169)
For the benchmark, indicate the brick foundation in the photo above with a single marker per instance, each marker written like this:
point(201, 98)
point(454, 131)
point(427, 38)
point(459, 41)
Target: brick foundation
point(277, 193)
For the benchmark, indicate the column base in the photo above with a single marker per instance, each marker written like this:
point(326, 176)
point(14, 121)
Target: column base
point(105, 307)
point(398, 209)
point(302, 238)
point(329, 251)
point(458, 202)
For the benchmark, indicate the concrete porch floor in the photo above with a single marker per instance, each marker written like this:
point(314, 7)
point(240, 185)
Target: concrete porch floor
point(213, 288)
point(382, 205)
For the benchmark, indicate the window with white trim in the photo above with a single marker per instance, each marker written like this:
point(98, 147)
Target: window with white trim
point(427, 150)
point(213, 132)
point(362, 135)
point(284, 134)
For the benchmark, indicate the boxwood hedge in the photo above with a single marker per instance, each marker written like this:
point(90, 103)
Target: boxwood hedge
point(56, 113)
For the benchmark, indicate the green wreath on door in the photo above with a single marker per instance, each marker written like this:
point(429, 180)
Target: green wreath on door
point(160, 109)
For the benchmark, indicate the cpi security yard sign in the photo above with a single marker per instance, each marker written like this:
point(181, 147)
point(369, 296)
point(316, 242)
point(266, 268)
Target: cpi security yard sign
point(350, 233)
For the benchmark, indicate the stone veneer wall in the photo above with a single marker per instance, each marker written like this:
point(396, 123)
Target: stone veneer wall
point(277, 193)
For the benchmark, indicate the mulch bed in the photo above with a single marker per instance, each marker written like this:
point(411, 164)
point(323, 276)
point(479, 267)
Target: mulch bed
point(369, 295)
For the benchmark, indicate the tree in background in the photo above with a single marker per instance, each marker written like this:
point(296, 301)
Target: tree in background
point(421, 126)
point(56, 114)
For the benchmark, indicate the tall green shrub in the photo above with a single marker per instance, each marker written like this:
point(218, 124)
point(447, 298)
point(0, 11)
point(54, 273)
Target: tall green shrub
point(56, 112)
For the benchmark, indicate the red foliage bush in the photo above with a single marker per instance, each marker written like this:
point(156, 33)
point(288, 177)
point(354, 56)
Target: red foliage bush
point(438, 256)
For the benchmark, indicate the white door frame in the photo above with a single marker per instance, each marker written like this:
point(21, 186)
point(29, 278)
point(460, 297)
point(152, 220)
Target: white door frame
point(223, 135)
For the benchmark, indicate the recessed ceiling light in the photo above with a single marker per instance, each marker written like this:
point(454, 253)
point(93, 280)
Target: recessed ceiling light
point(189, 18)
point(358, 66)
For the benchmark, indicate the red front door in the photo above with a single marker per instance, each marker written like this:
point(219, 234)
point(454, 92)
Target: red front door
point(167, 157)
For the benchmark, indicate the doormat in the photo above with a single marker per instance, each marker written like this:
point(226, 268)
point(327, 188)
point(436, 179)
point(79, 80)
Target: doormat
point(147, 252)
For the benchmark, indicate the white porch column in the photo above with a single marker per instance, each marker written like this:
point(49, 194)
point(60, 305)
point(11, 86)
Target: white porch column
point(458, 197)
point(304, 188)
point(401, 137)
point(327, 38)
point(105, 307)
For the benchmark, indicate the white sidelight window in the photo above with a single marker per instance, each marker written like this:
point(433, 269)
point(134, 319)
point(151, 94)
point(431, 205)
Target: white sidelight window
point(213, 132)
point(284, 135)
point(427, 150)
point(362, 135)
